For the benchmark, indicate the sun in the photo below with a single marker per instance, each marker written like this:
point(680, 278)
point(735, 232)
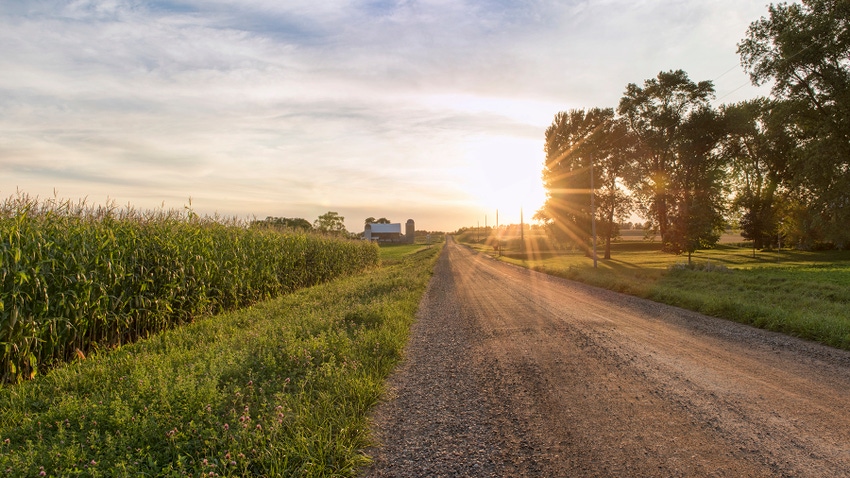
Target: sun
point(504, 174)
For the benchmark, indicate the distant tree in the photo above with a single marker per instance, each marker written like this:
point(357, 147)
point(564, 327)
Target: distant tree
point(295, 223)
point(372, 220)
point(331, 223)
point(655, 114)
point(804, 50)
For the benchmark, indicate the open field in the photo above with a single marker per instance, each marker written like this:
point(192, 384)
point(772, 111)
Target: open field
point(804, 294)
point(278, 389)
point(391, 253)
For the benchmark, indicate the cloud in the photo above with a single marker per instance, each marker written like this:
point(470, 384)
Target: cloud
point(291, 108)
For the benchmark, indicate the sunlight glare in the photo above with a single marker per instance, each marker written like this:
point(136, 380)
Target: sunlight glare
point(504, 173)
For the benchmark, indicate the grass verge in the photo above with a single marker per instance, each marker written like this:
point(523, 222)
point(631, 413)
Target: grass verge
point(279, 389)
point(803, 294)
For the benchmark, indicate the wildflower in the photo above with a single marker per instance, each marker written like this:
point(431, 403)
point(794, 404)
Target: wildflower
point(250, 383)
point(226, 427)
point(259, 427)
point(6, 441)
point(93, 463)
point(42, 473)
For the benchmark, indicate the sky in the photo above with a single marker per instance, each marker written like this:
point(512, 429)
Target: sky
point(432, 110)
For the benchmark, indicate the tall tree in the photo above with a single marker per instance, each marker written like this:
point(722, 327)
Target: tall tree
point(576, 140)
point(804, 49)
point(566, 173)
point(758, 147)
point(697, 185)
point(655, 114)
point(613, 149)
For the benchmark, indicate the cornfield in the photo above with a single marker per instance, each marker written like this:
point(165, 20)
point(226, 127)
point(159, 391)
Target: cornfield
point(76, 278)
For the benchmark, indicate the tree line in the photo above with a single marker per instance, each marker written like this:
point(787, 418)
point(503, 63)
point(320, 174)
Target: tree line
point(779, 166)
point(329, 223)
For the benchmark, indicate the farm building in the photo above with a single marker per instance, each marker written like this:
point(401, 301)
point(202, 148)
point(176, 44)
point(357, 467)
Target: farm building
point(390, 232)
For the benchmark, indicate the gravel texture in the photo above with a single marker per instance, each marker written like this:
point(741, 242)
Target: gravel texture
point(510, 372)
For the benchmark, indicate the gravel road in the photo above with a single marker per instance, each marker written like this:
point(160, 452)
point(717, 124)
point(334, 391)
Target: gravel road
point(514, 373)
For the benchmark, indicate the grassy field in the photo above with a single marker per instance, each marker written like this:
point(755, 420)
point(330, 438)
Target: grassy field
point(278, 389)
point(392, 253)
point(804, 294)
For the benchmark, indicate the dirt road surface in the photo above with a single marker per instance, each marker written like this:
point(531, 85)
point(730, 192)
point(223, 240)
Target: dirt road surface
point(514, 373)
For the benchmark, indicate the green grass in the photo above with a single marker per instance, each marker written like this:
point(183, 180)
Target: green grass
point(804, 294)
point(392, 253)
point(279, 389)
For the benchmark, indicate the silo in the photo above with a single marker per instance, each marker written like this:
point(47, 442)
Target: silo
point(409, 232)
point(367, 232)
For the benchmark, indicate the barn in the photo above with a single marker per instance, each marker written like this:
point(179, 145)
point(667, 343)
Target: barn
point(390, 232)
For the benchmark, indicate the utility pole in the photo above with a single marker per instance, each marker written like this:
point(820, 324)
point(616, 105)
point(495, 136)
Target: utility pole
point(592, 212)
point(498, 234)
point(521, 231)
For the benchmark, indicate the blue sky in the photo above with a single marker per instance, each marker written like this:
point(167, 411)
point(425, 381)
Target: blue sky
point(433, 110)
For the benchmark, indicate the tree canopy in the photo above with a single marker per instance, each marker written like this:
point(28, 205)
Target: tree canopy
point(778, 166)
point(293, 223)
point(804, 50)
point(331, 223)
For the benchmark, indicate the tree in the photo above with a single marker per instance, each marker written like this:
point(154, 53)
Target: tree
point(804, 49)
point(372, 220)
point(295, 223)
point(758, 147)
point(576, 139)
point(698, 193)
point(613, 153)
point(655, 114)
point(331, 223)
point(566, 173)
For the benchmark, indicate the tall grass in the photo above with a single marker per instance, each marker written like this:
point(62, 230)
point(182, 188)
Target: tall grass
point(75, 277)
